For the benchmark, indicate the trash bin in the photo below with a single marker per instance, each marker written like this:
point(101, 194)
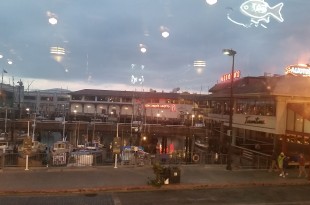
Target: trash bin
point(175, 175)
point(166, 175)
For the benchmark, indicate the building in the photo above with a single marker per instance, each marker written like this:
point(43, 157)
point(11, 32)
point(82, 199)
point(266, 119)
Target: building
point(46, 103)
point(11, 100)
point(128, 106)
point(270, 113)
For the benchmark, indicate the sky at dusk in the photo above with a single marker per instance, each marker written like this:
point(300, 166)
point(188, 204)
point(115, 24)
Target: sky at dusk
point(99, 42)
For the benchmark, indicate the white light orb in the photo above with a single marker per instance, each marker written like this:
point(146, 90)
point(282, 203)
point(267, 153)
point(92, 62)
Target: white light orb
point(165, 34)
point(211, 2)
point(52, 20)
point(143, 49)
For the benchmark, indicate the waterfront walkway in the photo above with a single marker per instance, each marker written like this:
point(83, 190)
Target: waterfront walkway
point(128, 178)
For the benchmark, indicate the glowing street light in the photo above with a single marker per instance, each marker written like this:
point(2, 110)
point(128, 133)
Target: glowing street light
point(75, 111)
point(232, 53)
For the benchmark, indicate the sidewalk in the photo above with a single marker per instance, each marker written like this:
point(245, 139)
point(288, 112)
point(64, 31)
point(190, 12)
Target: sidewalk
point(127, 178)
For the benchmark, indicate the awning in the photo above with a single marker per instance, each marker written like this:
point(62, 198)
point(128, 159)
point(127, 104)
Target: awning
point(302, 109)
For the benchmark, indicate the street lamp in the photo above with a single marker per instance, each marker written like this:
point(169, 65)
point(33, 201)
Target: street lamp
point(28, 112)
point(193, 119)
point(157, 116)
point(230, 52)
point(75, 111)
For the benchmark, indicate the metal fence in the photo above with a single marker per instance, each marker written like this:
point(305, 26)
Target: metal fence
point(190, 158)
point(102, 159)
point(48, 160)
point(203, 158)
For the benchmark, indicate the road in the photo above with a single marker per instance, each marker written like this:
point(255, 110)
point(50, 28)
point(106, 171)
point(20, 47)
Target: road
point(286, 195)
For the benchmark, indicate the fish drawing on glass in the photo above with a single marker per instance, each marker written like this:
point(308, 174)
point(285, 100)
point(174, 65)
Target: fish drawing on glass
point(260, 12)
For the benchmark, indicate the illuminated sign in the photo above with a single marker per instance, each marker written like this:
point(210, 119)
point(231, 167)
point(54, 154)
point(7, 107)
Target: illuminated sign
point(298, 70)
point(161, 106)
point(259, 12)
point(226, 77)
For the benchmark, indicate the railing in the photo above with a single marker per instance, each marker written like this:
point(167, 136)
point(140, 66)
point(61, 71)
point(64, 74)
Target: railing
point(240, 160)
point(253, 160)
point(48, 160)
point(188, 158)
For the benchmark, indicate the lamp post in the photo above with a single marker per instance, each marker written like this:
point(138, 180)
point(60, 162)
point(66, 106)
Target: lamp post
point(75, 111)
point(232, 53)
point(64, 125)
point(157, 116)
point(193, 119)
point(28, 112)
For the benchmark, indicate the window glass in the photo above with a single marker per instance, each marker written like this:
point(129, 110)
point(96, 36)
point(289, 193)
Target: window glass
point(298, 123)
point(265, 107)
point(76, 97)
point(307, 126)
point(62, 99)
point(46, 98)
point(26, 97)
point(103, 98)
point(290, 120)
point(128, 100)
point(89, 98)
point(114, 99)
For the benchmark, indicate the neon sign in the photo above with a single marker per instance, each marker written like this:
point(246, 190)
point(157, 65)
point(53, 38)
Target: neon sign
point(161, 106)
point(259, 12)
point(298, 70)
point(227, 77)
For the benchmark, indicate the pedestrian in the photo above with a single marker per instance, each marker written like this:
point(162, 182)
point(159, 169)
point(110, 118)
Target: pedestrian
point(274, 164)
point(280, 164)
point(302, 165)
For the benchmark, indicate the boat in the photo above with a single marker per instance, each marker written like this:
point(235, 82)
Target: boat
point(61, 147)
point(87, 154)
point(60, 152)
point(134, 155)
point(94, 146)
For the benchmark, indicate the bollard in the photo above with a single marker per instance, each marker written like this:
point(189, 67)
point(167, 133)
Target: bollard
point(115, 164)
point(26, 163)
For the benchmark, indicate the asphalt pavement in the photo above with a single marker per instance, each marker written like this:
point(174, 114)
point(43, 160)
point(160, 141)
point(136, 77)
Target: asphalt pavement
point(129, 178)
